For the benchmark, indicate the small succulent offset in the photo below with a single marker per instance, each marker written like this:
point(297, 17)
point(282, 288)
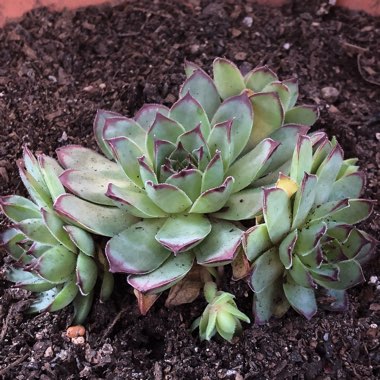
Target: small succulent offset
point(306, 242)
point(220, 316)
point(54, 259)
point(226, 175)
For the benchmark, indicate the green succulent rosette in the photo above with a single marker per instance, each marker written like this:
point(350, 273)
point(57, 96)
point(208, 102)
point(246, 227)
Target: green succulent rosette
point(55, 260)
point(307, 243)
point(186, 174)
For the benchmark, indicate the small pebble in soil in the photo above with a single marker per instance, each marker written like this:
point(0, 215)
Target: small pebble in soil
point(330, 94)
point(248, 21)
point(78, 341)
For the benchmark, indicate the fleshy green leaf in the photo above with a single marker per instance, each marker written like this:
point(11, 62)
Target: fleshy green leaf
point(135, 250)
point(86, 273)
point(302, 158)
point(247, 168)
point(256, 241)
point(167, 275)
point(277, 213)
point(124, 127)
point(269, 116)
point(309, 237)
point(147, 114)
point(239, 110)
point(135, 201)
point(358, 210)
point(203, 89)
point(304, 199)
point(51, 170)
point(189, 181)
point(227, 78)
point(271, 301)
point(92, 185)
point(82, 306)
point(126, 152)
point(243, 205)
point(282, 90)
point(36, 230)
point(301, 299)
point(80, 158)
point(286, 249)
point(56, 265)
point(258, 78)
point(180, 233)
point(213, 175)
point(100, 220)
point(350, 186)
point(292, 85)
point(305, 115)
point(99, 124)
point(214, 199)
point(189, 113)
point(82, 239)
point(220, 246)
point(55, 225)
point(64, 297)
point(265, 270)
point(18, 208)
point(327, 173)
point(167, 197)
point(193, 140)
point(220, 141)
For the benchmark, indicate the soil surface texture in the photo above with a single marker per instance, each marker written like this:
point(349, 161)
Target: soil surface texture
point(57, 69)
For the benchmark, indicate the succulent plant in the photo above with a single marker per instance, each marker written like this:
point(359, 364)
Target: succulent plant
point(305, 242)
point(220, 316)
point(225, 175)
point(273, 101)
point(186, 174)
point(54, 259)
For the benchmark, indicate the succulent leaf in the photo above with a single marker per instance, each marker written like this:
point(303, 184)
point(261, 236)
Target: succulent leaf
point(64, 297)
point(220, 246)
point(214, 199)
point(126, 152)
point(55, 226)
point(86, 273)
point(99, 124)
point(56, 265)
point(18, 208)
point(135, 201)
point(269, 116)
point(301, 299)
point(256, 240)
point(189, 113)
point(247, 168)
point(135, 250)
point(239, 110)
point(82, 239)
point(258, 78)
point(265, 270)
point(305, 115)
point(147, 114)
point(277, 213)
point(167, 275)
point(349, 186)
point(100, 220)
point(202, 88)
point(227, 77)
point(181, 233)
point(168, 197)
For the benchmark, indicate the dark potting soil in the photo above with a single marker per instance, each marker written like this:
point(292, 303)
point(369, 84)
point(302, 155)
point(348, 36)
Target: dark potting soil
point(56, 69)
